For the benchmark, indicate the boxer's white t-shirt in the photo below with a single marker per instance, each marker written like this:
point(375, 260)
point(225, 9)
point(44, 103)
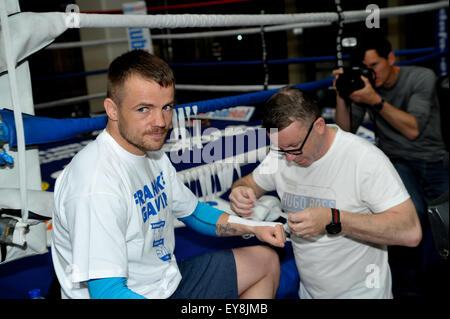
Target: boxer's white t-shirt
point(114, 218)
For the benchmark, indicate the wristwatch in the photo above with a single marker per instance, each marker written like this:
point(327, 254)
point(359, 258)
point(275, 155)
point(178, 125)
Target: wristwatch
point(378, 106)
point(335, 226)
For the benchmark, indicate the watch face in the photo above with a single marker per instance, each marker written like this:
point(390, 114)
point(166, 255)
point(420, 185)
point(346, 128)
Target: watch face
point(333, 228)
point(378, 106)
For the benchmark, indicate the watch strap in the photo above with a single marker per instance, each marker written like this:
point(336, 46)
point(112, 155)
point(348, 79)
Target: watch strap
point(335, 216)
point(378, 106)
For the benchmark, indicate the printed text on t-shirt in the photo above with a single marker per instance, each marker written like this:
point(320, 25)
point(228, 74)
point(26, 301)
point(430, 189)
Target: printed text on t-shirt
point(151, 199)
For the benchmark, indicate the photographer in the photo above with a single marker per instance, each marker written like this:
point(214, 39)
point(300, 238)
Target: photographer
point(404, 109)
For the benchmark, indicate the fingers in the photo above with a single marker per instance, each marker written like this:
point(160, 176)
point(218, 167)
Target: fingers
point(241, 210)
point(294, 220)
point(295, 228)
point(364, 95)
point(273, 235)
point(336, 76)
point(365, 80)
point(243, 195)
point(300, 223)
point(298, 217)
point(278, 236)
point(336, 72)
point(242, 200)
point(308, 223)
point(250, 194)
point(298, 230)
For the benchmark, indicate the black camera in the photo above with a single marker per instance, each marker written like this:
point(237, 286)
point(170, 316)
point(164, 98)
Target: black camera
point(351, 81)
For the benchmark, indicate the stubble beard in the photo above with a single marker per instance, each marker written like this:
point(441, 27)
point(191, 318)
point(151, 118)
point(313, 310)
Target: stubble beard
point(139, 142)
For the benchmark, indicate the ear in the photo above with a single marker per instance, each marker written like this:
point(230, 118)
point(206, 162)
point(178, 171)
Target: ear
point(320, 125)
point(391, 58)
point(273, 136)
point(111, 109)
point(273, 132)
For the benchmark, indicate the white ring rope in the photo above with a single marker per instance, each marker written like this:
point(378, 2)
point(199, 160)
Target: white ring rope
point(78, 44)
point(196, 20)
point(69, 101)
point(179, 87)
point(191, 35)
point(349, 17)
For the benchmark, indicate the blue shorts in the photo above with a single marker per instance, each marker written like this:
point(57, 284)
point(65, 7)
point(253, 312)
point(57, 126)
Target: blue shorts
point(208, 276)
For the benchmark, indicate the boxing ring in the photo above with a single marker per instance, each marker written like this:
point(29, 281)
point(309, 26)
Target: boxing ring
point(208, 158)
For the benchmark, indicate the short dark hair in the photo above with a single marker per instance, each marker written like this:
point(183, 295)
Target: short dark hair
point(137, 62)
point(289, 104)
point(372, 41)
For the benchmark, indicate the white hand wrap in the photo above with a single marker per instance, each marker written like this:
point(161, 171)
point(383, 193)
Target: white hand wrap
point(238, 220)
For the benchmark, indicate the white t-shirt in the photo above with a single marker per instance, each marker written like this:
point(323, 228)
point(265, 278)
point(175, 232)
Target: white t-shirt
point(353, 176)
point(114, 218)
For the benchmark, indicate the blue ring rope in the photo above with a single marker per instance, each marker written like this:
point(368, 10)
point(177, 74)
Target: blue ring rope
point(228, 63)
point(259, 97)
point(423, 58)
point(251, 98)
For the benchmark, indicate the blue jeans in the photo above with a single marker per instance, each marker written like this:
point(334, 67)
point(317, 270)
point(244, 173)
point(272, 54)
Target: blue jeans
point(424, 182)
point(412, 268)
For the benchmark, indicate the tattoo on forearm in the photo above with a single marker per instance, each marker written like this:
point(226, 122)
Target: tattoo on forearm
point(222, 230)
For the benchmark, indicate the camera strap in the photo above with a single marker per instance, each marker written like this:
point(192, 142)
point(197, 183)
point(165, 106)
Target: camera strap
point(375, 131)
point(340, 22)
point(264, 58)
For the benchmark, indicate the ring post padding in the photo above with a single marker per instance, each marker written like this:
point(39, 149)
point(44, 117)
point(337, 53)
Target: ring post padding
point(11, 66)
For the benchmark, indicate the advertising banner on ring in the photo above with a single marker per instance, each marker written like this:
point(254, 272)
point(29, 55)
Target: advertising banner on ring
point(138, 38)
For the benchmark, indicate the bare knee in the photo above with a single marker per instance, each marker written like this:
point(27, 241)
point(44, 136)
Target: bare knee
point(263, 257)
point(271, 262)
point(257, 266)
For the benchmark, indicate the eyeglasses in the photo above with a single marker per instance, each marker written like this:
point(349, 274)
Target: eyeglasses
point(299, 150)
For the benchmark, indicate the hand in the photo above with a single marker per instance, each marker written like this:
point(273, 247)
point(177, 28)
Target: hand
point(309, 222)
point(273, 235)
point(242, 200)
point(336, 73)
point(366, 95)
